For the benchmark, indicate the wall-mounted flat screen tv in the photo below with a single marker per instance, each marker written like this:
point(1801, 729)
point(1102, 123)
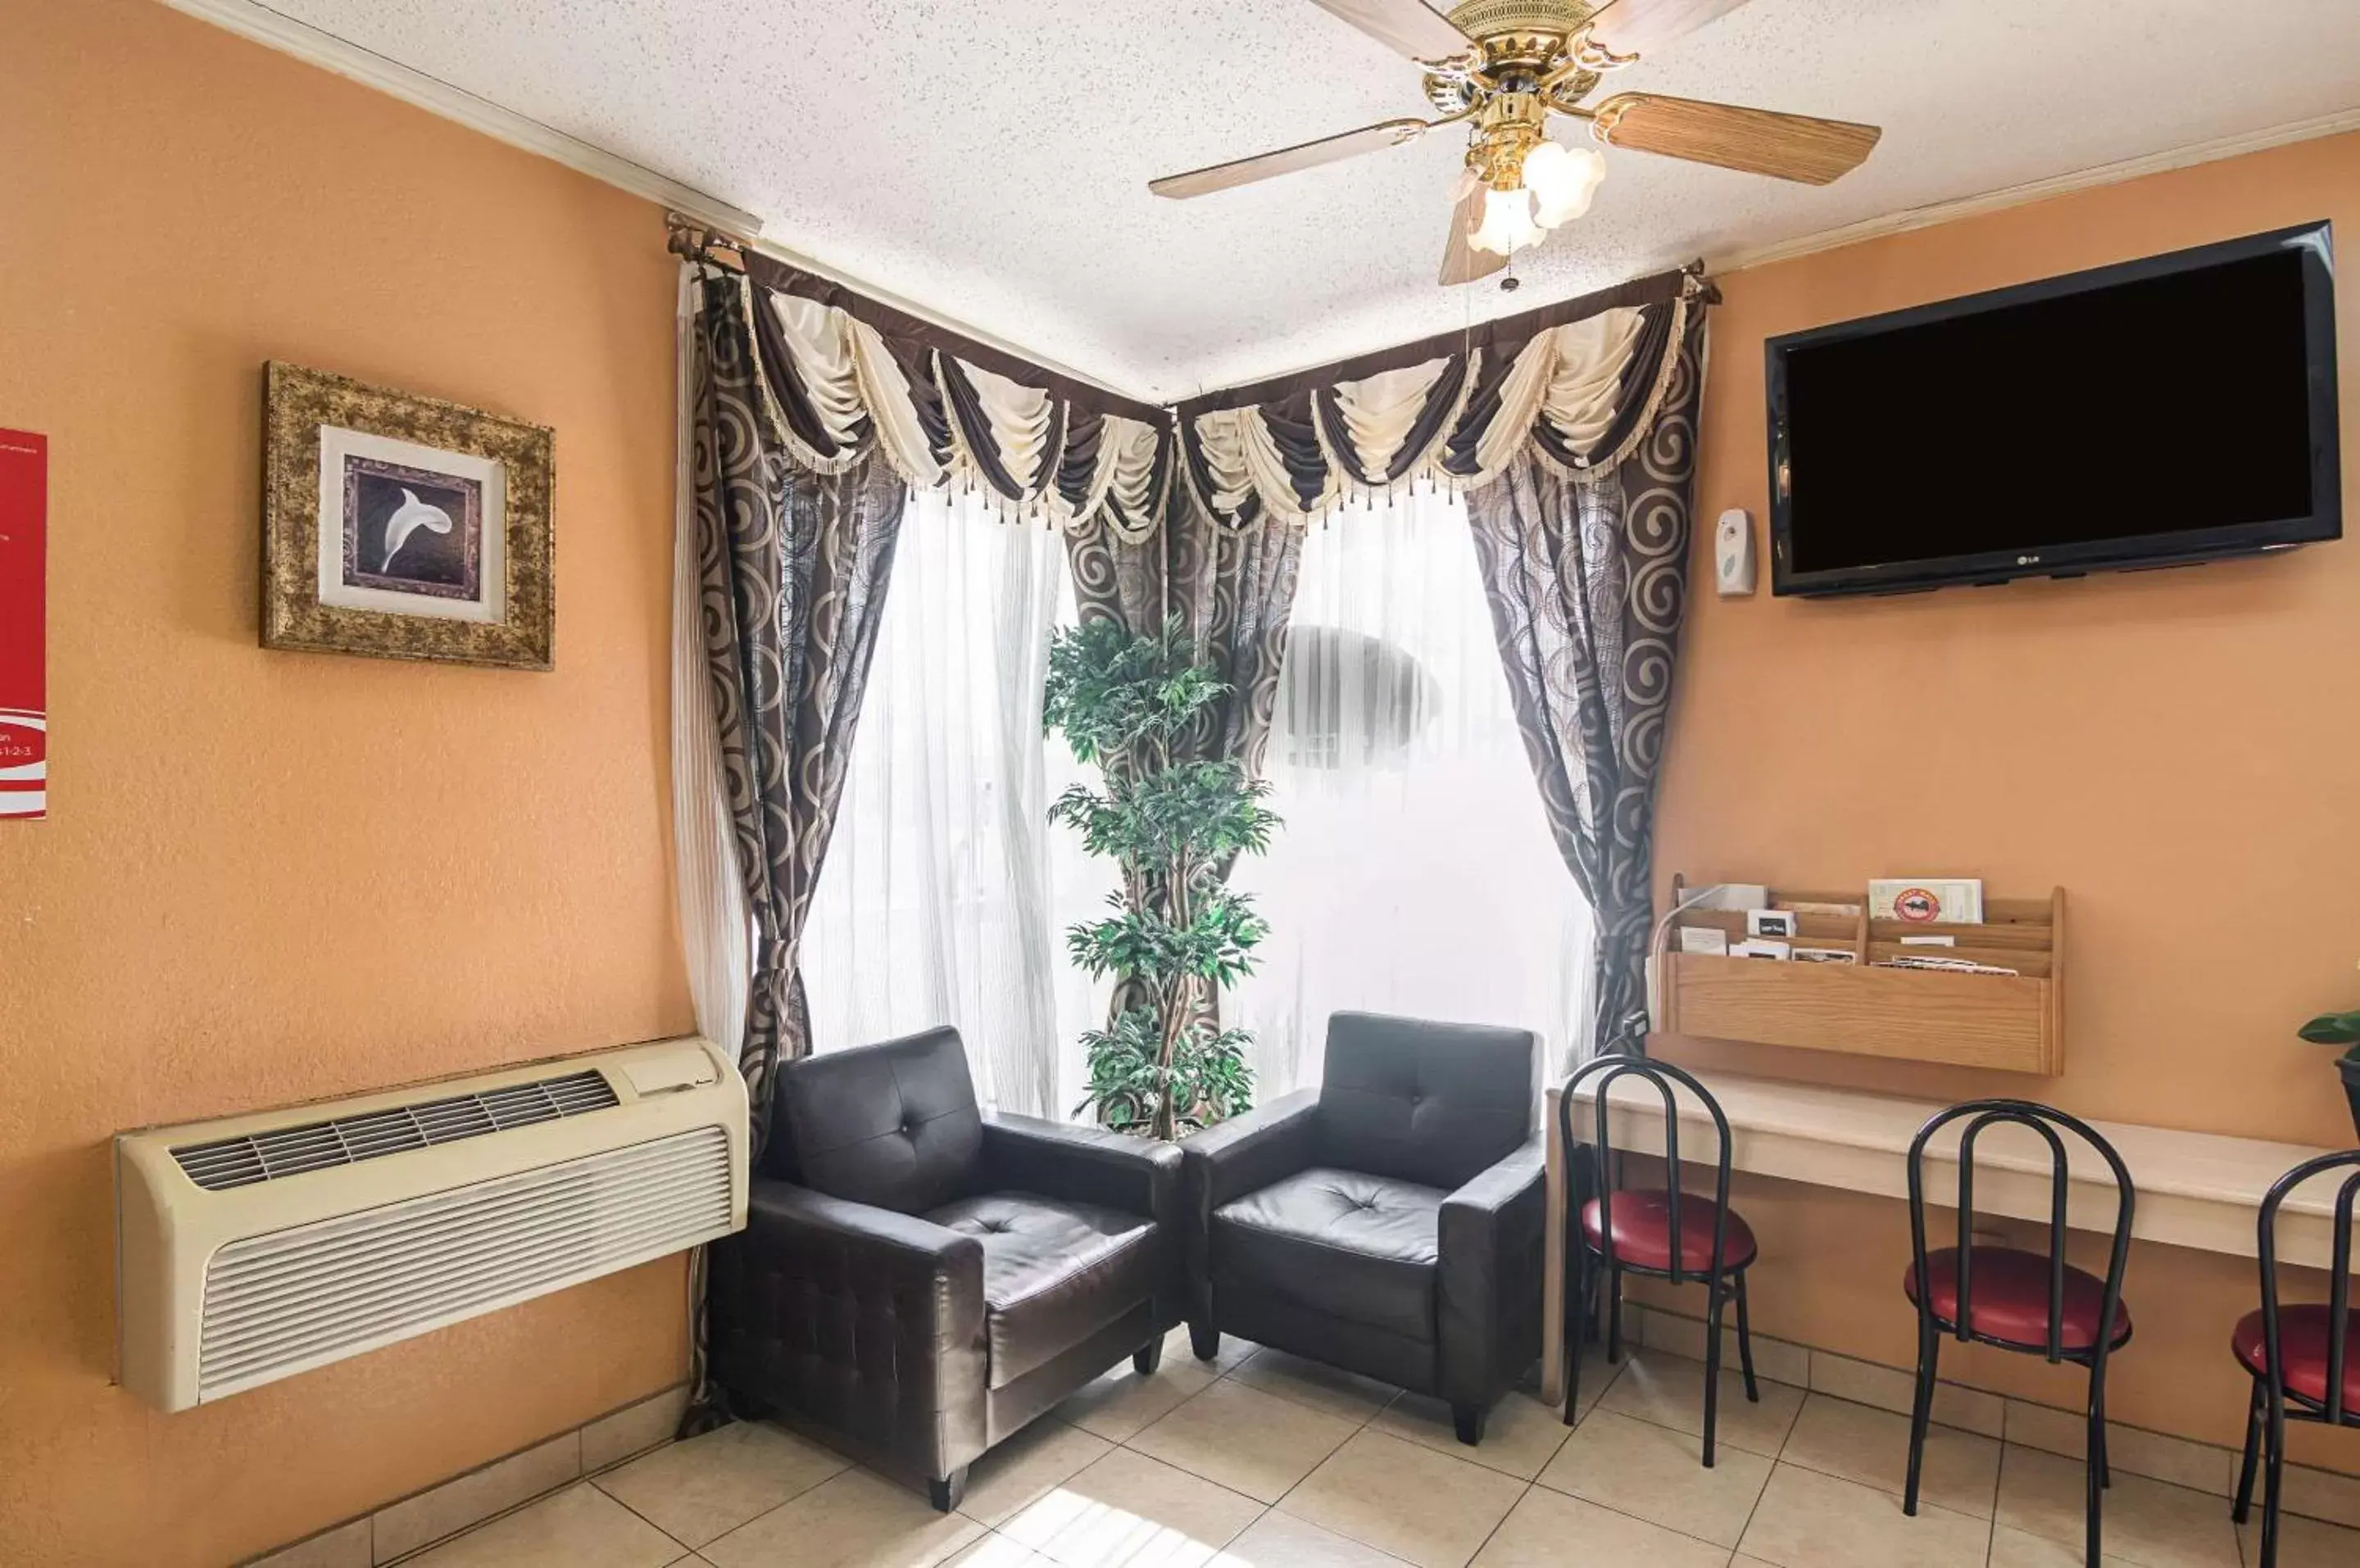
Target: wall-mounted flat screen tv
point(2165, 411)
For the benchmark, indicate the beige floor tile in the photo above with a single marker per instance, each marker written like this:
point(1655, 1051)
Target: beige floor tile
point(1131, 1511)
point(1520, 1435)
point(2146, 1522)
point(2013, 1549)
point(998, 1552)
point(1426, 1507)
point(1120, 1403)
point(1598, 1375)
point(468, 1499)
point(578, 1528)
point(1243, 1439)
point(1654, 1474)
point(857, 1519)
point(1279, 1540)
point(1347, 1395)
point(1234, 1350)
point(1891, 1389)
point(1546, 1530)
point(1810, 1520)
point(701, 1489)
point(2302, 1544)
point(1669, 1391)
point(1838, 1438)
point(633, 1430)
point(1684, 1335)
point(1025, 1467)
point(2321, 1494)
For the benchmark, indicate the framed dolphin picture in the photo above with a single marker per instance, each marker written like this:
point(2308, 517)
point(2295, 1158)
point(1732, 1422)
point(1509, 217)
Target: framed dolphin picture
point(403, 526)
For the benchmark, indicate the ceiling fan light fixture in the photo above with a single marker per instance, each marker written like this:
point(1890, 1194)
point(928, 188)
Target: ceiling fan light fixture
point(1563, 181)
point(1507, 226)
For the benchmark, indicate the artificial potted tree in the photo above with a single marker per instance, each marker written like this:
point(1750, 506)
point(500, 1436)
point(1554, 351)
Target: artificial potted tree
point(1174, 822)
point(2341, 1028)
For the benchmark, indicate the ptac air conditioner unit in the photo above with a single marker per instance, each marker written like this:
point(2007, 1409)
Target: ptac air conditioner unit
point(254, 1247)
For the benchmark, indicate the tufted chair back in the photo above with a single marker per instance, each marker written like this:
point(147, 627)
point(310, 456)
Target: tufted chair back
point(1430, 1102)
point(892, 1126)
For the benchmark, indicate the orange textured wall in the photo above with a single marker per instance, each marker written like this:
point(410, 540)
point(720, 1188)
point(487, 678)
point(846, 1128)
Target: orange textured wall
point(2173, 748)
point(272, 877)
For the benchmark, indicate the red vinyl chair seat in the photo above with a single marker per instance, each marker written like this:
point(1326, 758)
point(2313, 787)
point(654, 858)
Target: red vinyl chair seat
point(2009, 1290)
point(1642, 1232)
point(2303, 1341)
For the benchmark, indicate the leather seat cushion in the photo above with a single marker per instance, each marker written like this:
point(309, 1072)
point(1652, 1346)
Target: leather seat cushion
point(1054, 1272)
point(2007, 1291)
point(1355, 1246)
point(1642, 1232)
point(2302, 1341)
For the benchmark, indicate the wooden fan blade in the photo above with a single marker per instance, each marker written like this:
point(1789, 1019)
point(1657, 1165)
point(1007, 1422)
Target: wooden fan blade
point(1410, 27)
point(1286, 160)
point(1642, 26)
point(1785, 146)
point(1461, 262)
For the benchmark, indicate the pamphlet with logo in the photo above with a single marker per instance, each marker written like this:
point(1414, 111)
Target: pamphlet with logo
point(1927, 901)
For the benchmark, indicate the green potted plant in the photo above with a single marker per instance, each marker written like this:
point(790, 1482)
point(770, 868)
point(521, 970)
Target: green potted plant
point(2341, 1028)
point(1173, 823)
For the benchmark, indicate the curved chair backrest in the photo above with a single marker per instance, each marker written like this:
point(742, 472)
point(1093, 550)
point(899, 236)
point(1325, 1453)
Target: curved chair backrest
point(2044, 1120)
point(2339, 1278)
point(1606, 1069)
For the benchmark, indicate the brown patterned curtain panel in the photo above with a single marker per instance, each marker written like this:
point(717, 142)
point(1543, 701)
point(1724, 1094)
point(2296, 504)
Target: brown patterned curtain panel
point(1586, 570)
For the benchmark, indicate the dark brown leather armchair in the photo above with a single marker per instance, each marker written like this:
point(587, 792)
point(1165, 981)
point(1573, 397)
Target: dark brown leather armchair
point(1388, 1222)
point(918, 1279)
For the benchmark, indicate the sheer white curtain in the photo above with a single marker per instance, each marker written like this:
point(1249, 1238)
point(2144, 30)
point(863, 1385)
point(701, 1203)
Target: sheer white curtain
point(1414, 872)
point(934, 903)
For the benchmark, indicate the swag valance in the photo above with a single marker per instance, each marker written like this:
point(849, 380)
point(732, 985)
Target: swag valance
point(843, 377)
point(1577, 384)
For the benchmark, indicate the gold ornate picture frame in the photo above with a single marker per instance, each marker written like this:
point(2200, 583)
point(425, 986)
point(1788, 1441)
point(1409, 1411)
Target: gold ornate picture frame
point(401, 526)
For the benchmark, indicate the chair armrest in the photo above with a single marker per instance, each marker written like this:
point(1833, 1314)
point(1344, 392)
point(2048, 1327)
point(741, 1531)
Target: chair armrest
point(870, 1320)
point(1246, 1153)
point(1490, 1240)
point(1081, 1164)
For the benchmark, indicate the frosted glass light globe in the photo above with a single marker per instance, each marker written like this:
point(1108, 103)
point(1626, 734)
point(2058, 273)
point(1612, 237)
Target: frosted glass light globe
point(1562, 179)
point(1507, 226)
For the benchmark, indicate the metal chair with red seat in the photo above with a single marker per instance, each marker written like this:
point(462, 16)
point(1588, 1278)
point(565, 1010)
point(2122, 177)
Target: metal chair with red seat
point(2017, 1299)
point(1645, 1232)
point(2305, 1359)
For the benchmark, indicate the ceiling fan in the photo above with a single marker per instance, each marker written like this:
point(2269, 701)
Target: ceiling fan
point(1503, 68)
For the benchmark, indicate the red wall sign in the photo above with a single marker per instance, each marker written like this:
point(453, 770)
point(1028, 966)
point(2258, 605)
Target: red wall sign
point(24, 674)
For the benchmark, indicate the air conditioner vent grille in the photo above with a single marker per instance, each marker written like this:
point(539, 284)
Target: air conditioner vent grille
point(347, 1140)
point(279, 1302)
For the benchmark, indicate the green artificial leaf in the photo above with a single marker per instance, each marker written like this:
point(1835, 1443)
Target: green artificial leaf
point(2333, 1028)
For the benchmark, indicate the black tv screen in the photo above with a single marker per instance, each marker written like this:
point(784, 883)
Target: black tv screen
point(2164, 411)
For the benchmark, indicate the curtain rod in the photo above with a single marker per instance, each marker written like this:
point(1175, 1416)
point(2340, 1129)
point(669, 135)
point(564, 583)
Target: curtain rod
point(692, 241)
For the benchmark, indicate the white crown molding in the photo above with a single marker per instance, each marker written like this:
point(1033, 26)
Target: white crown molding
point(273, 29)
point(1928, 216)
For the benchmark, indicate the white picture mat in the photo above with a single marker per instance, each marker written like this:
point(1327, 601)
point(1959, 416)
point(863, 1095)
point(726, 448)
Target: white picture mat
point(335, 444)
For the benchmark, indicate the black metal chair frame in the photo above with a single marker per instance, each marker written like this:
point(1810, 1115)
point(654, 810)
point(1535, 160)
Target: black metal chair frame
point(2274, 1404)
point(1721, 1281)
point(1931, 1327)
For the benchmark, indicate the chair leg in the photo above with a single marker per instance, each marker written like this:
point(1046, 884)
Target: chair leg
point(1921, 1407)
point(1712, 1299)
point(2098, 1435)
point(1746, 1342)
point(946, 1492)
point(2244, 1503)
point(1576, 1328)
point(2095, 1469)
point(1203, 1339)
point(2273, 1464)
point(1467, 1422)
point(1614, 1313)
point(1148, 1357)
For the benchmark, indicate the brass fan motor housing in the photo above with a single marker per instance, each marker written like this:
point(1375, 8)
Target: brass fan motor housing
point(1525, 63)
point(1484, 19)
